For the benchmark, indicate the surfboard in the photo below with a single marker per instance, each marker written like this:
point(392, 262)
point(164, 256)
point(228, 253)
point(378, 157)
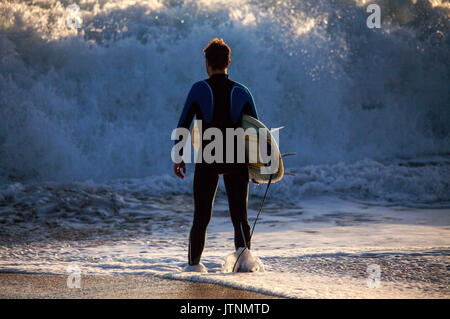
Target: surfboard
point(257, 136)
point(259, 169)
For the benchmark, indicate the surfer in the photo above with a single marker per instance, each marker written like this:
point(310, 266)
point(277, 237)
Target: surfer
point(218, 102)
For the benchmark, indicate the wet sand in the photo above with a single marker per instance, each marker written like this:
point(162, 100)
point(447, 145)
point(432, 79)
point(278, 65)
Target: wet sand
point(13, 285)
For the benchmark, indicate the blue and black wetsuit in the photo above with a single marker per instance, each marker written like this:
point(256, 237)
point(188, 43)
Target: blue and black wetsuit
point(219, 102)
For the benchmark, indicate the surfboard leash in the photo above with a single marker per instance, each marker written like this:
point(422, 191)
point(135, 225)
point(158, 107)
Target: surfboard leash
point(260, 210)
point(254, 223)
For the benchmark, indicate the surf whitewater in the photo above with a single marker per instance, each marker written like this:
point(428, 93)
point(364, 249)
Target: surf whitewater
point(86, 115)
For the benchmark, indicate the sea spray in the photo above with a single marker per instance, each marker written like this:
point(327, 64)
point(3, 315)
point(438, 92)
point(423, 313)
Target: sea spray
point(99, 101)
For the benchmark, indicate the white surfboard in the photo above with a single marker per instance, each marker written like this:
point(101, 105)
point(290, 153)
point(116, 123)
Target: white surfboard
point(259, 169)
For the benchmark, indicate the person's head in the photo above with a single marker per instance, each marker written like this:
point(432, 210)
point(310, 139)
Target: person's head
point(217, 56)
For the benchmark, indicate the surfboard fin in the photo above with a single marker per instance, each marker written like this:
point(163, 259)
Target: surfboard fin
point(290, 173)
point(288, 154)
point(276, 129)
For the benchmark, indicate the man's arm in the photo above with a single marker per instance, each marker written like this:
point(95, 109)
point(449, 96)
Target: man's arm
point(187, 115)
point(250, 106)
point(242, 102)
point(250, 110)
point(190, 109)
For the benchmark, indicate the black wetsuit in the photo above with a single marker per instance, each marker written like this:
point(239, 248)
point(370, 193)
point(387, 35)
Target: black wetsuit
point(218, 102)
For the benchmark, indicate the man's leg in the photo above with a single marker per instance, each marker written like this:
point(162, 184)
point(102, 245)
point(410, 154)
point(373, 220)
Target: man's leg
point(205, 186)
point(236, 184)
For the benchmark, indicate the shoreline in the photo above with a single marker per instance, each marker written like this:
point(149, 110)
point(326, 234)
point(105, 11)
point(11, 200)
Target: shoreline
point(53, 286)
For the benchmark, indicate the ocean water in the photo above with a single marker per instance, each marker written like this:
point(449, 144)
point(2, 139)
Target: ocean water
point(319, 247)
point(86, 116)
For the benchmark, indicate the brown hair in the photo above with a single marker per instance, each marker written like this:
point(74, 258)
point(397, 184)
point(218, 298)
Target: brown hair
point(217, 52)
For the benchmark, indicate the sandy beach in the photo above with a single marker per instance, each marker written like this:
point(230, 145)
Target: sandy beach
point(114, 286)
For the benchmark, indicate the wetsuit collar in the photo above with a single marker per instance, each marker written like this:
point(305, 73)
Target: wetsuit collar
point(219, 75)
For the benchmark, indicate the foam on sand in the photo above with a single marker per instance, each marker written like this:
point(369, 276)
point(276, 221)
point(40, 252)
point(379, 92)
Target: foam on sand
point(242, 260)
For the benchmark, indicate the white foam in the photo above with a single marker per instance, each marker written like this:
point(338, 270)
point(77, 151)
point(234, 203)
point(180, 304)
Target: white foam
point(200, 268)
point(100, 102)
point(242, 260)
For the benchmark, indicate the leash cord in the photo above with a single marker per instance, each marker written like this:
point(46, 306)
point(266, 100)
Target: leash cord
point(254, 223)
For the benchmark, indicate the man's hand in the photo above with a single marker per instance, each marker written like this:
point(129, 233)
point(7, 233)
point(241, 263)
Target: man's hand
point(177, 169)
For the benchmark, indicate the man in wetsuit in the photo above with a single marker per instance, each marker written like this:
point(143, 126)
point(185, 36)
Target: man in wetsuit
point(219, 103)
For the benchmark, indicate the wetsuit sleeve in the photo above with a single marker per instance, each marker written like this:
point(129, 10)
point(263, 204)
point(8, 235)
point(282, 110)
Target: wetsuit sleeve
point(250, 110)
point(190, 109)
point(250, 107)
point(242, 102)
